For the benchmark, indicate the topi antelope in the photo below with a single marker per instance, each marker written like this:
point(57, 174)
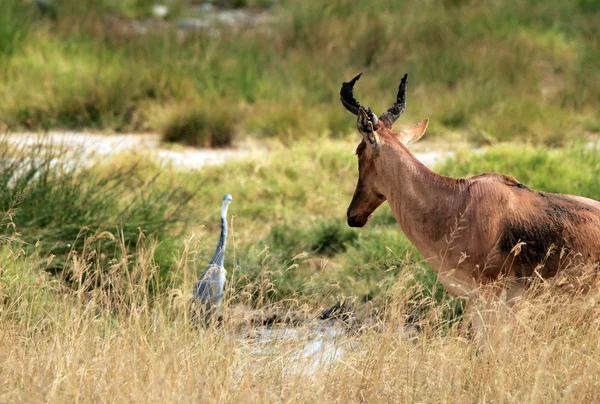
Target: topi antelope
point(472, 231)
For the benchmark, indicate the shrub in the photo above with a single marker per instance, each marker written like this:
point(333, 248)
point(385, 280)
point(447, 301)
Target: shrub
point(333, 238)
point(58, 209)
point(200, 124)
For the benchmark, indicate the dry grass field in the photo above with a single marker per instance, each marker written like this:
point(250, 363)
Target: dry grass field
point(117, 343)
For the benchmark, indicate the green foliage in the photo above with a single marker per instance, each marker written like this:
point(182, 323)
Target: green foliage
point(15, 20)
point(288, 240)
point(201, 124)
point(324, 238)
point(57, 211)
point(493, 70)
point(333, 238)
point(573, 170)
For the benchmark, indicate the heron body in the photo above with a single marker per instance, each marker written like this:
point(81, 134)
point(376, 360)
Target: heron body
point(208, 292)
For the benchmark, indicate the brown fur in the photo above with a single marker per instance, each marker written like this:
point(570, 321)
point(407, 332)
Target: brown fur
point(471, 230)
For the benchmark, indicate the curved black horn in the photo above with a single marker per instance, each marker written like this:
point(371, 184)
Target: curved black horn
point(347, 95)
point(348, 100)
point(399, 106)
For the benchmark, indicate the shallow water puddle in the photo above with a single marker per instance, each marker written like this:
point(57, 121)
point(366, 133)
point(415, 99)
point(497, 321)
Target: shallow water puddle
point(304, 349)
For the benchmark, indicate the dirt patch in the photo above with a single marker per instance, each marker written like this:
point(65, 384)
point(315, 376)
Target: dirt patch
point(88, 148)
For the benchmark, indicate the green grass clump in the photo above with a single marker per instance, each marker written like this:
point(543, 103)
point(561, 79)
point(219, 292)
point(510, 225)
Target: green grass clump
point(325, 238)
point(572, 170)
point(201, 124)
point(333, 238)
point(60, 211)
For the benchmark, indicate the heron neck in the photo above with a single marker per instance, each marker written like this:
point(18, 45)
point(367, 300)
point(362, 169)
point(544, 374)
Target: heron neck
point(219, 256)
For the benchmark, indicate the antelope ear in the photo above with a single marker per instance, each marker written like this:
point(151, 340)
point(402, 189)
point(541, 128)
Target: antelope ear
point(414, 133)
point(365, 127)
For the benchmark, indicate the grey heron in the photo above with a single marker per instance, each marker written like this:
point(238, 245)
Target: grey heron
point(209, 290)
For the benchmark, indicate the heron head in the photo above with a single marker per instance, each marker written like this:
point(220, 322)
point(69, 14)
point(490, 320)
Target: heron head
point(226, 201)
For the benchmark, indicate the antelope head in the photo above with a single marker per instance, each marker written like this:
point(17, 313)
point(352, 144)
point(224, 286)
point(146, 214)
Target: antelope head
point(376, 132)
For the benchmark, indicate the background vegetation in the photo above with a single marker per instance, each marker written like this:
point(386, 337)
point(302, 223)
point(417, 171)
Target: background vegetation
point(97, 263)
point(489, 70)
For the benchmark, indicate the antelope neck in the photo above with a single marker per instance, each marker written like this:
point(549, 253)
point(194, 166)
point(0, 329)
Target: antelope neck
point(424, 203)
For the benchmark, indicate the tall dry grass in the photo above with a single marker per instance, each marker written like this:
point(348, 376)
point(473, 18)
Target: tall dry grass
point(118, 342)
